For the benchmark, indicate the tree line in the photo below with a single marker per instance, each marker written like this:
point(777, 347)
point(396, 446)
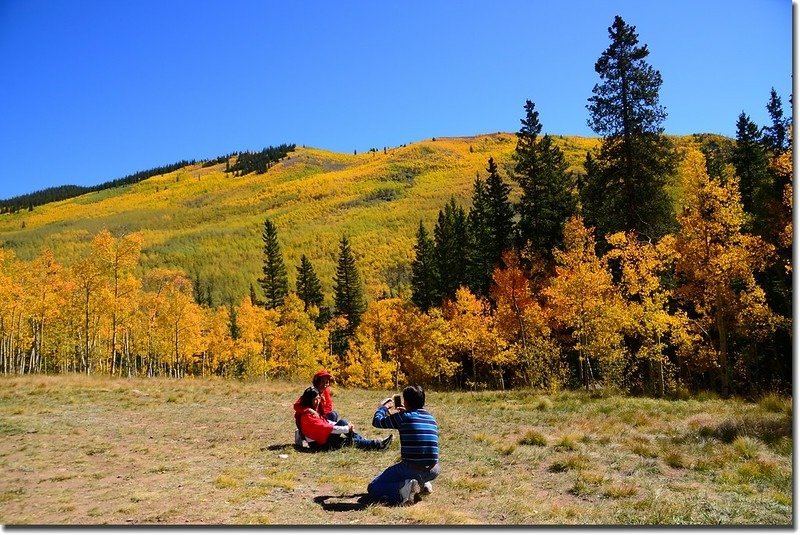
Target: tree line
point(61, 193)
point(246, 162)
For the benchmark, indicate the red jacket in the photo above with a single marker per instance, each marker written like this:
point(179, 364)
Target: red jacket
point(327, 402)
point(323, 408)
point(313, 426)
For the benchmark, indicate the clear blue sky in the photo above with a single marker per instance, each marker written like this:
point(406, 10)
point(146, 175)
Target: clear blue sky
point(93, 90)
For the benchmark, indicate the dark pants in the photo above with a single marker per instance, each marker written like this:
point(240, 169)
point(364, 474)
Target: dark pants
point(386, 486)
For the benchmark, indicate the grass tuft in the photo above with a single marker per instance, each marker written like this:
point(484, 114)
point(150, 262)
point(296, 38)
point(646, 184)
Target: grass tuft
point(570, 462)
point(533, 438)
point(676, 459)
point(620, 490)
point(568, 442)
point(506, 449)
point(776, 403)
point(746, 447)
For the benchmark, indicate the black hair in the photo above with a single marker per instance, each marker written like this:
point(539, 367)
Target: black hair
point(413, 397)
point(308, 396)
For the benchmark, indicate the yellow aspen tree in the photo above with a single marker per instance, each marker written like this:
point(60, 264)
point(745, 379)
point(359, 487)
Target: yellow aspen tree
point(717, 264)
point(419, 347)
point(179, 321)
point(298, 350)
point(472, 335)
point(218, 342)
point(586, 303)
point(368, 360)
point(168, 293)
point(119, 257)
point(90, 275)
point(45, 290)
point(257, 330)
point(11, 310)
point(782, 166)
point(128, 303)
point(642, 266)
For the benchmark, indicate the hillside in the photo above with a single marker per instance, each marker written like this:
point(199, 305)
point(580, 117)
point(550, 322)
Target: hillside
point(209, 223)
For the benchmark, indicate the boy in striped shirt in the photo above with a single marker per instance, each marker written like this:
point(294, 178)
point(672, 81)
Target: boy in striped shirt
point(419, 450)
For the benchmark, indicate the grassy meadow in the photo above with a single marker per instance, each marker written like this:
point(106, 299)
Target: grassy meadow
point(78, 450)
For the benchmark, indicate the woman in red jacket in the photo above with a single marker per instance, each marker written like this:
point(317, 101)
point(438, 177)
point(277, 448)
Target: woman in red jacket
point(321, 433)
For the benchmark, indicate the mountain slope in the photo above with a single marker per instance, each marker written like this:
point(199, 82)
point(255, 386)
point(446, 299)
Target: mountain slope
point(209, 223)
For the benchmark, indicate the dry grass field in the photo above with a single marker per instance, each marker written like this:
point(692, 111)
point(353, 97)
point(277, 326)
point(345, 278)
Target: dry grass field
point(79, 451)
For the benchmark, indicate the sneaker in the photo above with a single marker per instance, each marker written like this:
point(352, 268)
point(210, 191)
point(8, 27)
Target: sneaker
point(385, 442)
point(409, 491)
point(427, 488)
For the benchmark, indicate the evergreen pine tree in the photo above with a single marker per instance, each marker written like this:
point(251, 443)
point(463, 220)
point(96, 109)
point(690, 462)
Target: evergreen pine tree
point(547, 199)
point(776, 136)
point(451, 244)
point(275, 281)
point(751, 161)
point(501, 213)
point(424, 280)
point(309, 289)
point(627, 189)
point(349, 298)
point(481, 253)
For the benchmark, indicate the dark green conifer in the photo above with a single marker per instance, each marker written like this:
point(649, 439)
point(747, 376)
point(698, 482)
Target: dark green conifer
point(275, 281)
point(501, 213)
point(776, 137)
point(627, 188)
point(548, 198)
point(309, 289)
point(751, 160)
point(481, 254)
point(349, 298)
point(424, 275)
point(451, 244)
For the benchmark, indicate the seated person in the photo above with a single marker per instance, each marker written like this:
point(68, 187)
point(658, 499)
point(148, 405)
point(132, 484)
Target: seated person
point(322, 383)
point(321, 433)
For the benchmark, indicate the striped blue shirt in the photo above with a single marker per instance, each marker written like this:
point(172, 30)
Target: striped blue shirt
point(419, 434)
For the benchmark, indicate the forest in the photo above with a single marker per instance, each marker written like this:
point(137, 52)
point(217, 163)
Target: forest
point(657, 270)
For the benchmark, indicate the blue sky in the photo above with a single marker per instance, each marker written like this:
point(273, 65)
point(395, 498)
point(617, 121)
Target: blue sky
point(92, 90)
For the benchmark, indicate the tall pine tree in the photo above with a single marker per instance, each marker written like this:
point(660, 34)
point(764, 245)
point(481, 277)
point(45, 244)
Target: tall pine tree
point(626, 189)
point(501, 213)
point(548, 198)
point(349, 298)
point(481, 253)
point(309, 289)
point(424, 275)
point(452, 243)
point(275, 282)
point(751, 160)
point(776, 137)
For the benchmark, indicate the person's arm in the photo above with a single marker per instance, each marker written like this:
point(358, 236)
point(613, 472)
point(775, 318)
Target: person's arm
point(341, 429)
point(383, 420)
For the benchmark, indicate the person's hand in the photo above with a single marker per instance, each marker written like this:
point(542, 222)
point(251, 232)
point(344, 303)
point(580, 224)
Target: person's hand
point(352, 427)
point(313, 412)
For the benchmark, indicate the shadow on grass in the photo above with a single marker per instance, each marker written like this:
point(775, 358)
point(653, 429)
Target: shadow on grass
point(290, 446)
point(347, 503)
